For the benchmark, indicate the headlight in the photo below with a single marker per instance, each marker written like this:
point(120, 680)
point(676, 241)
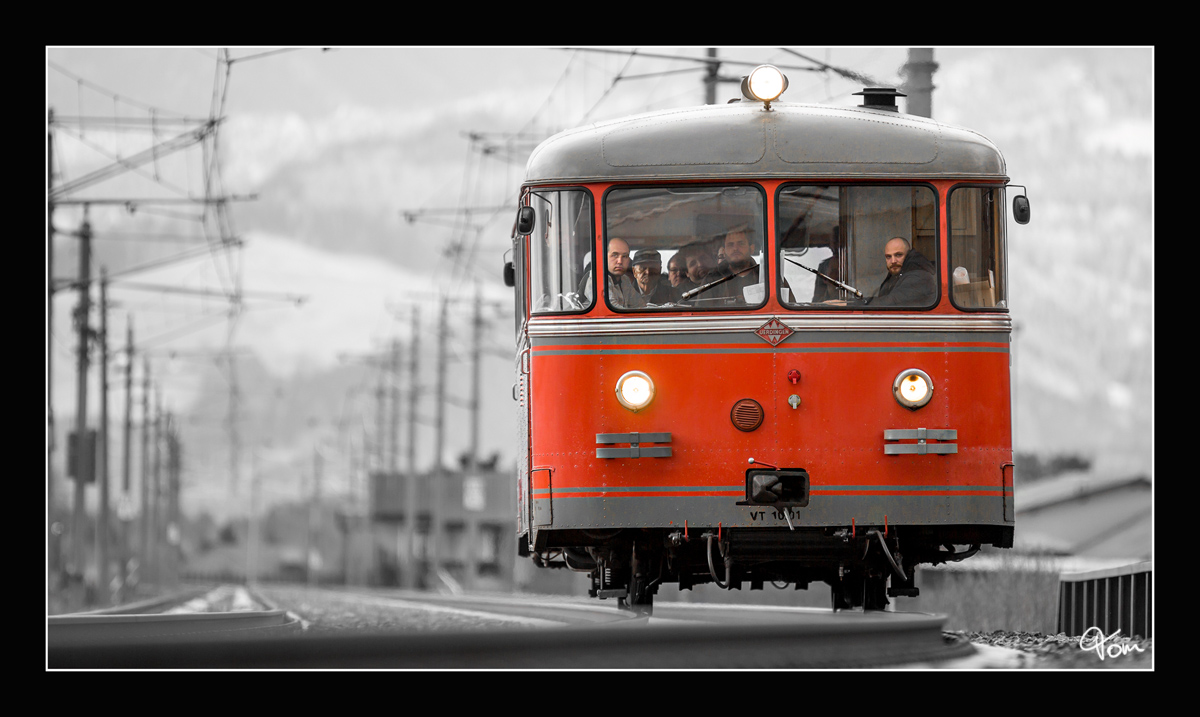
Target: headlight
point(635, 390)
point(912, 388)
point(764, 83)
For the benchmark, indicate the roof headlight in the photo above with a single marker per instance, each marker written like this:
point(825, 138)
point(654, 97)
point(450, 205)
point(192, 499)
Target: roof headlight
point(635, 390)
point(912, 388)
point(765, 83)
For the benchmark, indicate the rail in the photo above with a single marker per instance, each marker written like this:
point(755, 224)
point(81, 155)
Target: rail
point(221, 615)
point(564, 635)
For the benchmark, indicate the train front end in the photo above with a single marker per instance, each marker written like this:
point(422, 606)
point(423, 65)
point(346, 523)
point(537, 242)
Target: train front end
point(763, 344)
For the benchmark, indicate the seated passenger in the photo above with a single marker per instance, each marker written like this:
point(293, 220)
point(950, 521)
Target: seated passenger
point(739, 252)
point(647, 272)
point(698, 262)
point(622, 293)
point(739, 272)
point(722, 260)
point(677, 274)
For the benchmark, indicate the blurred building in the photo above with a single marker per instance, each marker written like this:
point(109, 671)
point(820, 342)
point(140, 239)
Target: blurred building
point(471, 514)
point(1086, 514)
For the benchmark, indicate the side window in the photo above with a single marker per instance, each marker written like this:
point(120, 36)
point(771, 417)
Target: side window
point(560, 251)
point(977, 270)
point(521, 313)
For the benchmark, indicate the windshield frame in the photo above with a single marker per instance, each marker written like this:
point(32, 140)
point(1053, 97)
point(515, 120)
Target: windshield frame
point(763, 227)
point(820, 182)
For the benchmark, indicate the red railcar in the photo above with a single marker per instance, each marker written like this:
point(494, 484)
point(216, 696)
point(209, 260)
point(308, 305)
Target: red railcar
point(763, 342)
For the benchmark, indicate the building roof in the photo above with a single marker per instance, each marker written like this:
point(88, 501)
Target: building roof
point(1071, 486)
point(1086, 514)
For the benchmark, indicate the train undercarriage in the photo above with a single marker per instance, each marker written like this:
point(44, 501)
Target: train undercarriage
point(863, 565)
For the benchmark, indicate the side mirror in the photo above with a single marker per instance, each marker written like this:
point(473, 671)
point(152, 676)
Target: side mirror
point(510, 274)
point(1021, 209)
point(525, 219)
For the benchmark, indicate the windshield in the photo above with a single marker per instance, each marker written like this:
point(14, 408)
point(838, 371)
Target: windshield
point(857, 246)
point(692, 248)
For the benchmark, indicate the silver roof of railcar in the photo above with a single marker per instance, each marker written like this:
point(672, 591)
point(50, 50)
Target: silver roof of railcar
point(743, 140)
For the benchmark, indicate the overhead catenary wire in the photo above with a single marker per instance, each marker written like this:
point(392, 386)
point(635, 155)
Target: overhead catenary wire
point(164, 288)
point(134, 169)
point(119, 165)
point(606, 92)
point(215, 220)
point(212, 173)
point(562, 77)
point(464, 237)
point(182, 256)
point(704, 60)
point(82, 82)
point(463, 246)
point(848, 74)
point(202, 322)
point(130, 124)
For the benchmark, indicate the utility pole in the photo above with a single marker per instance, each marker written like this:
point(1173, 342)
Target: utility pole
point(413, 390)
point(82, 316)
point(410, 562)
point(918, 72)
point(234, 438)
point(124, 513)
point(439, 475)
point(368, 516)
point(144, 523)
point(252, 523)
point(314, 517)
point(712, 76)
point(393, 436)
point(51, 439)
point(471, 472)
point(174, 464)
point(394, 431)
point(156, 492)
point(380, 447)
point(440, 404)
point(358, 503)
point(476, 338)
point(102, 459)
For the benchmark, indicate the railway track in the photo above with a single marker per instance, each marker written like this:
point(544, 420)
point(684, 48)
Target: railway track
point(511, 633)
point(224, 615)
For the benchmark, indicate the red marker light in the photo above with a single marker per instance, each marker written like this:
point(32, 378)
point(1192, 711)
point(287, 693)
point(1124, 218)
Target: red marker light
point(794, 376)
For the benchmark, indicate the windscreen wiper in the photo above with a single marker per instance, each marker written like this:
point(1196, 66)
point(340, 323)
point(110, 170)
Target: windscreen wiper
point(830, 279)
point(711, 284)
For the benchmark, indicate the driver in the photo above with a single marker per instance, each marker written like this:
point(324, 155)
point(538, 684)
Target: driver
point(911, 279)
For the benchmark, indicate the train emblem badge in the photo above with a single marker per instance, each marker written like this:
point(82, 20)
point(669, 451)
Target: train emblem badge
point(774, 332)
